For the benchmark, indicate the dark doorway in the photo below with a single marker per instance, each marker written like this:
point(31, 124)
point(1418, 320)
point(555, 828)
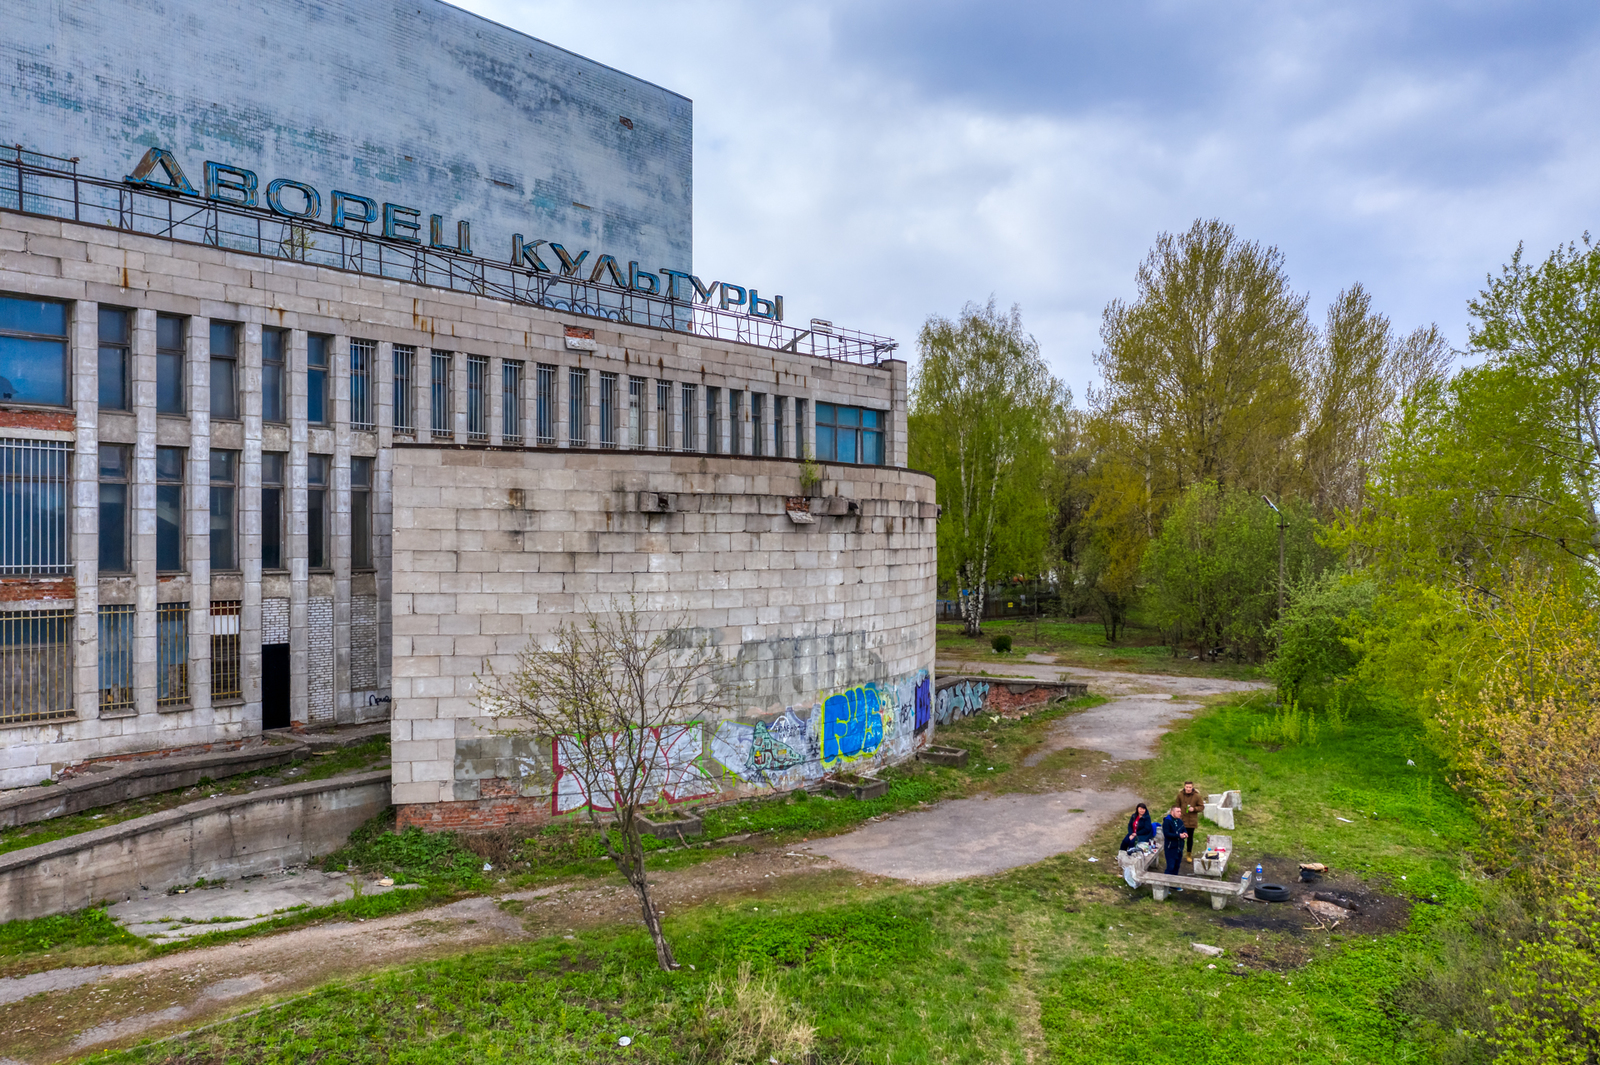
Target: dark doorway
point(274, 685)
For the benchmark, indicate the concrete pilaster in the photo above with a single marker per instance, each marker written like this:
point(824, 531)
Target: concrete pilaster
point(249, 532)
point(339, 527)
point(197, 511)
point(142, 520)
point(295, 523)
point(494, 396)
point(84, 532)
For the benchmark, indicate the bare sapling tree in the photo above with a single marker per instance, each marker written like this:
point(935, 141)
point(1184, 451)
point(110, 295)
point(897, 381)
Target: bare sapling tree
point(620, 700)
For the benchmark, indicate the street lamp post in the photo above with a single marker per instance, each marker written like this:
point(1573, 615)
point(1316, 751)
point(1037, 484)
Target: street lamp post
point(1282, 525)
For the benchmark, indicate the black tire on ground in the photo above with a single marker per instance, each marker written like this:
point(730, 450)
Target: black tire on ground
point(1272, 893)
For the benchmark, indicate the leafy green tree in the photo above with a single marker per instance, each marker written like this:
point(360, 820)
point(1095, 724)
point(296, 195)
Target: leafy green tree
point(1212, 571)
point(1314, 637)
point(984, 412)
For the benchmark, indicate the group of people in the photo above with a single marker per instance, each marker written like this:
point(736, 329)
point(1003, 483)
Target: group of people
point(1178, 827)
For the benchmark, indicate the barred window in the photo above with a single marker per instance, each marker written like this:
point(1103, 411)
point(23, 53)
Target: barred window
point(405, 361)
point(362, 355)
point(477, 401)
point(172, 654)
point(691, 418)
point(33, 351)
point(664, 415)
point(116, 658)
point(608, 410)
point(439, 417)
point(545, 407)
point(511, 401)
point(227, 679)
point(33, 506)
point(35, 665)
point(577, 408)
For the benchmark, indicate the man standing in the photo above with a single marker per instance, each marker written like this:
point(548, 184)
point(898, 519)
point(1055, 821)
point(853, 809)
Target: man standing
point(1173, 833)
point(1192, 803)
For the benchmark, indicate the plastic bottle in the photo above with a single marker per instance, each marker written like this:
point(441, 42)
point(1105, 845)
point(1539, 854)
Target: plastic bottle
point(1258, 870)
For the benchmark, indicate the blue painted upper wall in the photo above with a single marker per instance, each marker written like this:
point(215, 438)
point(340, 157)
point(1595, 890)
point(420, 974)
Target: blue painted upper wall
point(419, 104)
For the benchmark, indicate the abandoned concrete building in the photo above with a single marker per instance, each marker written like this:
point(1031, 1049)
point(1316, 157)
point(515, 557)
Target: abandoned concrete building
point(279, 454)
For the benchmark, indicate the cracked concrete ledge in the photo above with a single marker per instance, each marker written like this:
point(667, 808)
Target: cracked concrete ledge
point(224, 837)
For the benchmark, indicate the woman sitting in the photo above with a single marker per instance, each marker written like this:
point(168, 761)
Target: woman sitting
point(1140, 830)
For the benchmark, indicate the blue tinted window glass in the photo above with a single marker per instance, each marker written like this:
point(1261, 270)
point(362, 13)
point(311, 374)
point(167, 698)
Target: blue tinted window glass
point(846, 445)
point(825, 442)
point(33, 316)
point(169, 332)
point(824, 413)
point(872, 448)
point(848, 416)
point(869, 419)
point(33, 371)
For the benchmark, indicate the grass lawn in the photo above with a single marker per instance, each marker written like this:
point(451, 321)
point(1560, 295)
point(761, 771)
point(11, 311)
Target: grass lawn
point(1077, 643)
point(1056, 962)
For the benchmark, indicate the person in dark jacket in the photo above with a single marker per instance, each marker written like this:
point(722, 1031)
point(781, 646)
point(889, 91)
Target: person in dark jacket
point(1174, 833)
point(1140, 830)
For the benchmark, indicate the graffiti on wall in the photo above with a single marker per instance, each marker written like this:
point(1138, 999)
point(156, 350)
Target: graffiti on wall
point(959, 700)
point(673, 754)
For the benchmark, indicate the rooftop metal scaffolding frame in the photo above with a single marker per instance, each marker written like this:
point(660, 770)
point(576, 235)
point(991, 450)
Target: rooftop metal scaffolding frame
point(51, 186)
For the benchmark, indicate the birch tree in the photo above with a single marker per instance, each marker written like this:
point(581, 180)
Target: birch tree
point(621, 701)
point(984, 411)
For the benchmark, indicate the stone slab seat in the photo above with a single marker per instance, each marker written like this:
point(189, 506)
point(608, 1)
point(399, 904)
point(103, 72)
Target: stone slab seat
point(1221, 808)
point(1219, 890)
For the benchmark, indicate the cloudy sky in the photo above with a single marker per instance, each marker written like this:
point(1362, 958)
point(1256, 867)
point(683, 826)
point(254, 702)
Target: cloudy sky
point(878, 161)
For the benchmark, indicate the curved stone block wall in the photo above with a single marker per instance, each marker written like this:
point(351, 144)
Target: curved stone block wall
point(827, 623)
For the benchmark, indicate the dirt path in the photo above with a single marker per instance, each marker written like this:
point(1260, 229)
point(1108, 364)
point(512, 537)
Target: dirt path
point(62, 1013)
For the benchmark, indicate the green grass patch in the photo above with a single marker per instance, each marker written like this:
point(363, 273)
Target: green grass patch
point(1140, 649)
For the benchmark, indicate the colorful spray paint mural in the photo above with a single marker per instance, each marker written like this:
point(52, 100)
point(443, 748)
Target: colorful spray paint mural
point(677, 776)
point(960, 700)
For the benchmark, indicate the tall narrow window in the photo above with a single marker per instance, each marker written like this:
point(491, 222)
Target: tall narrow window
point(115, 330)
point(780, 406)
point(172, 654)
point(608, 410)
point(169, 365)
point(477, 397)
point(114, 466)
point(441, 422)
point(169, 509)
point(227, 679)
point(33, 506)
point(544, 403)
point(317, 511)
point(802, 442)
point(405, 361)
point(363, 356)
point(272, 510)
point(690, 406)
point(35, 665)
point(224, 471)
point(361, 513)
point(224, 370)
point(511, 401)
point(758, 440)
point(735, 422)
point(664, 415)
point(872, 437)
point(317, 406)
point(274, 353)
point(577, 408)
point(713, 421)
point(116, 658)
point(636, 415)
point(33, 351)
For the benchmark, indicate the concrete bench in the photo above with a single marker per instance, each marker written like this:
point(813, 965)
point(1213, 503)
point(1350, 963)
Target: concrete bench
point(1221, 808)
point(1219, 890)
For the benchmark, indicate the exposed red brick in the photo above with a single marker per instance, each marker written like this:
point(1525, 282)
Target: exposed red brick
point(473, 814)
point(163, 752)
point(499, 788)
point(580, 332)
point(36, 419)
point(21, 589)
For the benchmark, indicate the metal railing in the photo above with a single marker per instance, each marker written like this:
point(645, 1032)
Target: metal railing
point(35, 665)
point(38, 184)
point(33, 507)
point(116, 659)
point(172, 654)
point(227, 676)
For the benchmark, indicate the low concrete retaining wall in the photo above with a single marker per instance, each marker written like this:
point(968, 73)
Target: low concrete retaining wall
point(960, 696)
point(104, 783)
point(218, 839)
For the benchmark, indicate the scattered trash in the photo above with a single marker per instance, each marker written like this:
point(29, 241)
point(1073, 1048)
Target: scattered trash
point(1346, 820)
point(387, 881)
point(1210, 966)
point(1094, 859)
point(488, 868)
point(624, 1041)
point(1410, 762)
point(1207, 949)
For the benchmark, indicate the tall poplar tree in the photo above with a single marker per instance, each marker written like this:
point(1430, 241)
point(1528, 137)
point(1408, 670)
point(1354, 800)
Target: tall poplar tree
point(984, 412)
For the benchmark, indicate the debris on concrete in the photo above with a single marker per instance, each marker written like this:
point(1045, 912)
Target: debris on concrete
point(1208, 950)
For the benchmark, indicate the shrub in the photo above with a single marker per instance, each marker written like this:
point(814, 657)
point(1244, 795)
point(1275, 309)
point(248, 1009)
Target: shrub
point(1288, 726)
point(1001, 644)
point(1313, 636)
point(1551, 1015)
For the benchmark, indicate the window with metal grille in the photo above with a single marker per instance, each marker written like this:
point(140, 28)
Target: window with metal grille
point(361, 513)
point(511, 402)
point(169, 365)
point(114, 466)
point(274, 351)
point(544, 406)
point(363, 356)
point(33, 351)
point(115, 335)
point(691, 418)
point(477, 400)
point(33, 506)
point(577, 408)
point(227, 679)
point(35, 665)
point(317, 406)
point(116, 659)
point(440, 421)
point(664, 415)
point(608, 410)
point(636, 415)
point(172, 654)
point(405, 361)
point(224, 370)
point(713, 420)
